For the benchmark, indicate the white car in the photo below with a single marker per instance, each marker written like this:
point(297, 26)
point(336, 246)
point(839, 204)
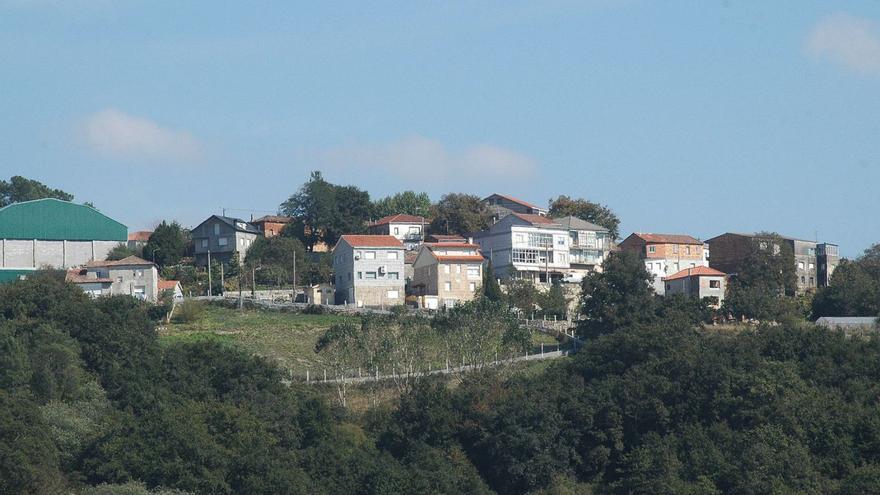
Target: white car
point(573, 278)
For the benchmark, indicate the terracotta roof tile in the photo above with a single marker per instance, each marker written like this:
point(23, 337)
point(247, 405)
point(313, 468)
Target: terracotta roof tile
point(273, 218)
point(371, 241)
point(140, 235)
point(167, 284)
point(535, 219)
point(129, 261)
point(668, 238)
point(698, 271)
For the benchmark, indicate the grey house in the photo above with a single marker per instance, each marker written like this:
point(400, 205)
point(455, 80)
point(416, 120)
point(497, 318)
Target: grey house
point(223, 236)
point(369, 270)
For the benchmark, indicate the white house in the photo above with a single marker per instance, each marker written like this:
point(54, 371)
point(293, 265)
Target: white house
point(368, 270)
point(526, 246)
point(408, 229)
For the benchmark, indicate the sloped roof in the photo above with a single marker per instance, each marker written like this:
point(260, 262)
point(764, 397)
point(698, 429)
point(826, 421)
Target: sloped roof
point(668, 238)
point(574, 223)
point(140, 235)
point(79, 276)
point(129, 261)
point(535, 219)
point(463, 257)
point(514, 200)
point(400, 218)
point(442, 238)
point(167, 284)
point(697, 271)
point(233, 223)
point(56, 220)
point(388, 241)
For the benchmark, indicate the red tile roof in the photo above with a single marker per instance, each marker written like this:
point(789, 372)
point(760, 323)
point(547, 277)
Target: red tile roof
point(452, 245)
point(371, 241)
point(400, 218)
point(514, 200)
point(699, 271)
point(129, 261)
point(273, 218)
point(464, 257)
point(140, 235)
point(167, 284)
point(446, 238)
point(532, 218)
point(668, 238)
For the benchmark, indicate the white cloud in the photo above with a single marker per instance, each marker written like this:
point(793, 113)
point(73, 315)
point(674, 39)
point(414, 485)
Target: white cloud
point(115, 133)
point(847, 40)
point(420, 158)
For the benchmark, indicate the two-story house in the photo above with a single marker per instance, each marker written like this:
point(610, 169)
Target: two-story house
point(501, 206)
point(368, 270)
point(530, 247)
point(130, 276)
point(666, 254)
point(447, 273)
point(730, 250)
point(223, 236)
point(589, 244)
point(408, 229)
point(698, 282)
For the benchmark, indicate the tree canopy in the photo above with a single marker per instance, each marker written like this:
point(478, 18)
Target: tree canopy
point(19, 189)
point(459, 214)
point(406, 202)
point(589, 211)
point(854, 289)
point(167, 244)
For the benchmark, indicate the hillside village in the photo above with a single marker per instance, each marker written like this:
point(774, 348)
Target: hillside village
point(402, 258)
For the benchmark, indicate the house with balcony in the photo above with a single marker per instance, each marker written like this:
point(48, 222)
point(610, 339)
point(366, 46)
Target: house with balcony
point(526, 246)
point(446, 274)
point(222, 237)
point(501, 206)
point(368, 270)
point(589, 244)
point(666, 254)
point(408, 229)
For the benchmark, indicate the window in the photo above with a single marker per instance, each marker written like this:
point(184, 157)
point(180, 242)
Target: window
point(205, 243)
point(241, 241)
point(803, 280)
point(396, 231)
point(472, 287)
point(360, 275)
point(222, 241)
point(415, 230)
point(446, 269)
point(520, 238)
point(371, 276)
point(394, 275)
point(540, 240)
point(447, 286)
point(458, 269)
point(687, 250)
point(369, 255)
point(668, 286)
point(473, 272)
point(714, 284)
point(560, 241)
point(812, 266)
point(216, 229)
point(652, 249)
point(800, 265)
point(119, 279)
point(138, 273)
point(392, 294)
point(349, 276)
point(811, 280)
point(392, 255)
point(675, 249)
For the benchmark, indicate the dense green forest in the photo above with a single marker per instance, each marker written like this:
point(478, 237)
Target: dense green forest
point(93, 403)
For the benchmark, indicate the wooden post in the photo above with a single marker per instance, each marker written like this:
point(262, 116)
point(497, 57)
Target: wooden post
point(307, 376)
point(325, 374)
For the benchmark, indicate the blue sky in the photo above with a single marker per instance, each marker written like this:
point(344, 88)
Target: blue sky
point(694, 117)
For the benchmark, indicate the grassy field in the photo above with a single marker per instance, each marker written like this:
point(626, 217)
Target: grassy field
point(288, 339)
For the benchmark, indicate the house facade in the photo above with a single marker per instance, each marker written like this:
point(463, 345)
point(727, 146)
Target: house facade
point(131, 276)
point(827, 259)
point(530, 247)
point(501, 206)
point(137, 240)
point(271, 225)
point(369, 270)
point(172, 288)
point(698, 282)
point(223, 236)
point(51, 233)
point(730, 250)
point(446, 274)
point(408, 229)
point(588, 244)
point(666, 254)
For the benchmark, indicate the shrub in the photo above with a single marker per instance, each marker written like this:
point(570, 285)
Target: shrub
point(189, 311)
point(314, 309)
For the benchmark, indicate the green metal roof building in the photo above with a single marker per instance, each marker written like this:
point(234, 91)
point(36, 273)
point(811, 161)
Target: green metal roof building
point(54, 219)
point(51, 233)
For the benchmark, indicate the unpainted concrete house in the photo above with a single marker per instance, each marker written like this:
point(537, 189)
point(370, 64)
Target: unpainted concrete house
point(369, 270)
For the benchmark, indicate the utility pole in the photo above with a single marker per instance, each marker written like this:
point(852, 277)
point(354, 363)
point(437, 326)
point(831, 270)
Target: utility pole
point(209, 274)
point(294, 277)
point(222, 280)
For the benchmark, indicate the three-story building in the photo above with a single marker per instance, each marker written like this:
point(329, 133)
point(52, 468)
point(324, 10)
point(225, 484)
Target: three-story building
point(666, 254)
point(526, 246)
point(369, 270)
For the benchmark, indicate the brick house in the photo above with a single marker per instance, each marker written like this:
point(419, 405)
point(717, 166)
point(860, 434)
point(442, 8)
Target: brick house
point(446, 274)
point(271, 225)
point(666, 254)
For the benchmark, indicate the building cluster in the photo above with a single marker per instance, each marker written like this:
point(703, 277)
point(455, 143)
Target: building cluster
point(397, 261)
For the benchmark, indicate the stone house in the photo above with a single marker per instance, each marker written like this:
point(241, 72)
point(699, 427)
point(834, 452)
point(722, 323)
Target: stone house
point(446, 274)
point(223, 236)
point(666, 254)
point(369, 270)
point(130, 276)
point(698, 282)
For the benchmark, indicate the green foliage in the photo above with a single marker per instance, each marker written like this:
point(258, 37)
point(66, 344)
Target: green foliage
point(523, 296)
point(130, 488)
point(19, 189)
point(490, 287)
point(480, 330)
point(189, 311)
point(167, 244)
point(596, 213)
point(553, 302)
point(618, 297)
point(406, 202)
point(323, 211)
point(459, 214)
point(121, 251)
point(767, 274)
point(28, 457)
point(275, 256)
point(854, 289)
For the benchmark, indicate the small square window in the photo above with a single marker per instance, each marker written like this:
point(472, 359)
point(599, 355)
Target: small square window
point(472, 286)
point(447, 286)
